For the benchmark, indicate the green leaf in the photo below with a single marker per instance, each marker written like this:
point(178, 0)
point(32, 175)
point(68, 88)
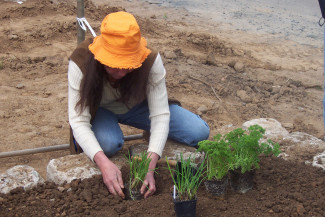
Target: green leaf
point(238, 149)
point(186, 178)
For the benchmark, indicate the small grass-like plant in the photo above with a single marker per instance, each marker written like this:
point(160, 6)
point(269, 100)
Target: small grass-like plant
point(246, 147)
point(218, 157)
point(139, 167)
point(1, 65)
point(187, 178)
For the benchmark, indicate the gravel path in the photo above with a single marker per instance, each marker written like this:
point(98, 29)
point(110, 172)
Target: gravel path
point(295, 20)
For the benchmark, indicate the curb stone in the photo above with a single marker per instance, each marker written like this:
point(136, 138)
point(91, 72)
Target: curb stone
point(19, 176)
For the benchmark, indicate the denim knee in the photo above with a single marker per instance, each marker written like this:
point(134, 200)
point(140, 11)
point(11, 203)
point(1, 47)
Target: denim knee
point(193, 134)
point(199, 133)
point(110, 145)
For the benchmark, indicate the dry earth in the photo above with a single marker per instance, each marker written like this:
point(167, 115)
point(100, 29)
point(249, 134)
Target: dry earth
point(274, 79)
point(281, 188)
point(228, 77)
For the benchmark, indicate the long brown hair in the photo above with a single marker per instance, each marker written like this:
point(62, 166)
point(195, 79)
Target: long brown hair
point(132, 87)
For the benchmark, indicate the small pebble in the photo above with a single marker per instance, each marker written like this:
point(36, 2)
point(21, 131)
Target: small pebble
point(20, 86)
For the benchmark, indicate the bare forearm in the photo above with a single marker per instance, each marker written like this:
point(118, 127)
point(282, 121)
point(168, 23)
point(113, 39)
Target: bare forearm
point(101, 159)
point(154, 159)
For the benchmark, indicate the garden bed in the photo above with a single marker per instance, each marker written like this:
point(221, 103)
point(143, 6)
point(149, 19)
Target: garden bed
point(281, 188)
point(37, 39)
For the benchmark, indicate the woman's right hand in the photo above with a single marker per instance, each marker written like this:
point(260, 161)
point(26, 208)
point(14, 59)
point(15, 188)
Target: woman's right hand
point(112, 176)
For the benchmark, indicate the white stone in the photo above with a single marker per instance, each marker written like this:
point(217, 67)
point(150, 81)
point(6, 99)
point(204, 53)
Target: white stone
point(172, 151)
point(186, 154)
point(273, 128)
point(323, 159)
point(68, 168)
point(302, 147)
point(71, 167)
point(319, 161)
point(304, 139)
point(19, 176)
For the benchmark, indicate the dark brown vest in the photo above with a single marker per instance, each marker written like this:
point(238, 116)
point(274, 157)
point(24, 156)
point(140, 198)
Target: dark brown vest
point(81, 56)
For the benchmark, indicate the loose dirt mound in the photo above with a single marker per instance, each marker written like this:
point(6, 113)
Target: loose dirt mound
point(280, 189)
point(227, 77)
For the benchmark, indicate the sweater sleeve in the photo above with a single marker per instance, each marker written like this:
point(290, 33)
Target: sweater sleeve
point(80, 123)
point(158, 107)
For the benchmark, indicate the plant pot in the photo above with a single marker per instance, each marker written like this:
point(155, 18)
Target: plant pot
point(186, 208)
point(132, 194)
point(242, 182)
point(217, 187)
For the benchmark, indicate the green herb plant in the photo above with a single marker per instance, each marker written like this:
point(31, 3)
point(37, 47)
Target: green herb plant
point(139, 167)
point(246, 147)
point(187, 178)
point(218, 157)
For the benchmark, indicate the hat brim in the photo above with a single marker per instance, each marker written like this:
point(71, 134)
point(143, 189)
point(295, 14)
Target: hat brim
point(131, 61)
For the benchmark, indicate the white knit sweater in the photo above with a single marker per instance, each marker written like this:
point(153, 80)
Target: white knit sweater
point(157, 102)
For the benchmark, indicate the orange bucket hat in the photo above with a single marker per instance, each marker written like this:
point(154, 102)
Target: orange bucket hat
point(120, 44)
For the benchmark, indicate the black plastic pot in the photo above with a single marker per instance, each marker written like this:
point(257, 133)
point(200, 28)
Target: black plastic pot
point(185, 208)
point(217, 187)
point(242, 182)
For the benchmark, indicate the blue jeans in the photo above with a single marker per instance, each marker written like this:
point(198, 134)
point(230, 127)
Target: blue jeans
point(184, 127)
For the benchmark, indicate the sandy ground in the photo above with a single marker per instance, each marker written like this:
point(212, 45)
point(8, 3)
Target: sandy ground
point(226, 75)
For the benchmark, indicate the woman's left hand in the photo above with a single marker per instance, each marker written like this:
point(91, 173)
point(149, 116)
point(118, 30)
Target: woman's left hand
point(149, 185)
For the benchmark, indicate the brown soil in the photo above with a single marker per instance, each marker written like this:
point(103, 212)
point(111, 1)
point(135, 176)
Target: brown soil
point(280, 80)
point(280, 189)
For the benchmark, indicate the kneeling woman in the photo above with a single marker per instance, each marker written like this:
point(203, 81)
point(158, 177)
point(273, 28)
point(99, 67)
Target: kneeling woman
point(114, 79)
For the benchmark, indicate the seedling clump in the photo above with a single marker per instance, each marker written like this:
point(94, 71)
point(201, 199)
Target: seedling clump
point(139, 167)
point(186, 178)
